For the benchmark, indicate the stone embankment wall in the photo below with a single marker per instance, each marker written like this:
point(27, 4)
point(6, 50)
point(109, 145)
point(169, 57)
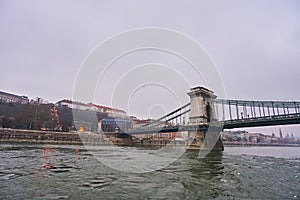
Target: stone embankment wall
point(16, 135)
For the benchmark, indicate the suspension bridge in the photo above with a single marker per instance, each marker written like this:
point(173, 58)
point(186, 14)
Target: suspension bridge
point(206, 115)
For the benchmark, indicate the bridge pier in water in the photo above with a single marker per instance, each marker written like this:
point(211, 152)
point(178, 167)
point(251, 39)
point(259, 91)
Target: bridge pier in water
point(203, 113)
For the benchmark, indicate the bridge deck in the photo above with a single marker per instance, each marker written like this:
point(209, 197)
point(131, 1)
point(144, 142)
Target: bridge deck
point(220, 125)
point(263, 121)
point(230, 114)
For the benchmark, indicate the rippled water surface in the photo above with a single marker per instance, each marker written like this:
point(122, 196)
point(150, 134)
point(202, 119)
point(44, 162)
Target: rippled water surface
point(31, 171)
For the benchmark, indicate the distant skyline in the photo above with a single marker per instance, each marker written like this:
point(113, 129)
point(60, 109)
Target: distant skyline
point(255, 45)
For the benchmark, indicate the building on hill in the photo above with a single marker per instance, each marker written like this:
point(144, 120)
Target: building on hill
point(39, 100)
point(72, 104)
point(111, 112)
point(12, 98)
point(136, 123)
point(115, 112)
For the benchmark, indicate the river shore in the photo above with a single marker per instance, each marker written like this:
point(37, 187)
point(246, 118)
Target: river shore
point(247, 144)
point(83, 138)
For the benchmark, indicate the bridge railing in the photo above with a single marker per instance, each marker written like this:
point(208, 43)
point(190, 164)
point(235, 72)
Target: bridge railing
point(235, 110)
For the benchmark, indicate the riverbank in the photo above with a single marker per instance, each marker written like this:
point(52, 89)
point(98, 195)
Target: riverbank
point(76, 138)
point(248, 144)
point(82, 138)
point(34, 136)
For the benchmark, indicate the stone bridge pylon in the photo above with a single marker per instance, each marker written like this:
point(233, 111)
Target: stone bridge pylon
point(203, 113)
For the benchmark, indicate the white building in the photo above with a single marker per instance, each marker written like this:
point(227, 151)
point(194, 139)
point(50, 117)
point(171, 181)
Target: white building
point(111, 112)
point(73, 104)
point(12, 98)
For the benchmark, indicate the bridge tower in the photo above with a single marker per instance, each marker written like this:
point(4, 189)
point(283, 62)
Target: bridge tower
point(203, 112)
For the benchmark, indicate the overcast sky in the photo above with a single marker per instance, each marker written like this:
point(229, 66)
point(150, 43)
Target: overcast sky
point(255, 44)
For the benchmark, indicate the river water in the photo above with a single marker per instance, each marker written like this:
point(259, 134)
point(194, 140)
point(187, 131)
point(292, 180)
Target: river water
point(36, 171)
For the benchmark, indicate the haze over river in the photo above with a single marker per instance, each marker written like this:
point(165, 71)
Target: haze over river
point(38, 171)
